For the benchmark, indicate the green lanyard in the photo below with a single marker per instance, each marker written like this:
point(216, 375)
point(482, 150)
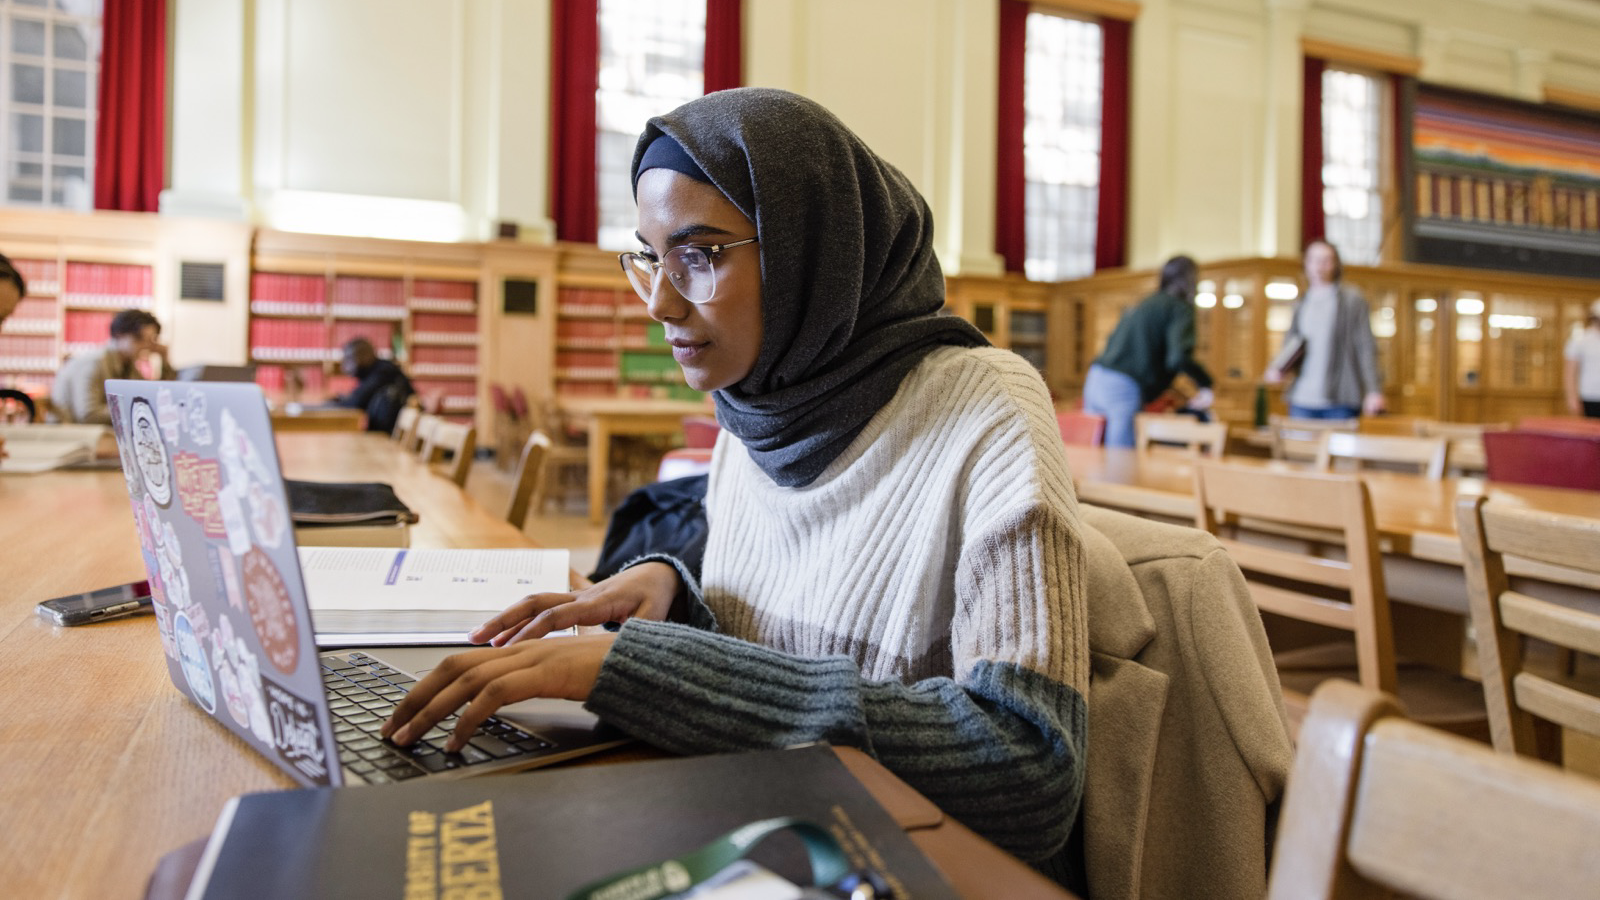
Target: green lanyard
point(674, 876)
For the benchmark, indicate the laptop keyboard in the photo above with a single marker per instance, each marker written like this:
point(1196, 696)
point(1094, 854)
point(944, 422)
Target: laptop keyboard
point(362, 692)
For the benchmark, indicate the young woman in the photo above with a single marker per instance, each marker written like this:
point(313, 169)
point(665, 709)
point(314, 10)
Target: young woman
point(894, 559)
point(1338, 375)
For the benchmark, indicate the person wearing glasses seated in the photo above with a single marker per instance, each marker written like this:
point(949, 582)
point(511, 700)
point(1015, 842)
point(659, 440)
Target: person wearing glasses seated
point(895, 560)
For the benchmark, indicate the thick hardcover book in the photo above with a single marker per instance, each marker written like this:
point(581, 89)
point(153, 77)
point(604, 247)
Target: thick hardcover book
point(549, 833)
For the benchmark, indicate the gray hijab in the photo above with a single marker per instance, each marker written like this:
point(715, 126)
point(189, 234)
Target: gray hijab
point(850, 290)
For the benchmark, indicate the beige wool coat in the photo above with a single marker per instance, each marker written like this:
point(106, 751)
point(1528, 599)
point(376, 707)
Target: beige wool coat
point(1188, 742)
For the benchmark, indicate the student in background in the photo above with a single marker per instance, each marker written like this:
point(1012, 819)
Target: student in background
point(382, 389)
point(79, 394)
point(1338, 374)
point(894, 559)
point(12, 288)
point(1582, 370)
point(1152, 344)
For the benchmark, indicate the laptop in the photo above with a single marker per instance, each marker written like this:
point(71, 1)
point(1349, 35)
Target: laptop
point(231, 606)
point(210, 372)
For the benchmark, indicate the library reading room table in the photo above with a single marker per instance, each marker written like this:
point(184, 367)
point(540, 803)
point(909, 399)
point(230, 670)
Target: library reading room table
point(1415, 518)
point(606, 417)
point(105, 767)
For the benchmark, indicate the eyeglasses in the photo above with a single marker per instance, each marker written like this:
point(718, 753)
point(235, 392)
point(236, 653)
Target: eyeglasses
point(691, 268)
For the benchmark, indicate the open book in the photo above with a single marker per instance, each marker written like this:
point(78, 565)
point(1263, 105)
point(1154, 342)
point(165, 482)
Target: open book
point(372, 596)
point(40, 448)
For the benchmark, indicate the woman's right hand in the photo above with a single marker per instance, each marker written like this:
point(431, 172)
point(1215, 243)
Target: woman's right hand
point(645, 591)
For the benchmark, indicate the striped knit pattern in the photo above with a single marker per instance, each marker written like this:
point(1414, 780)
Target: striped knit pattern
point(922, 599)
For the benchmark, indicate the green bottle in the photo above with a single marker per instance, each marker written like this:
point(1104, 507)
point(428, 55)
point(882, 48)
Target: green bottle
point(1261, 406)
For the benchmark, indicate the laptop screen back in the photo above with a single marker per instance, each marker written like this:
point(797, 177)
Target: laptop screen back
point(213, 521)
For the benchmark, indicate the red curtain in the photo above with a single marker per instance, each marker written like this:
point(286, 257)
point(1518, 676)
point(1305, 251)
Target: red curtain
point(1010, 196)
point(131, 123)
point(724, 62)
point(1313, 224)
point(574, 79)
point(1111, 222)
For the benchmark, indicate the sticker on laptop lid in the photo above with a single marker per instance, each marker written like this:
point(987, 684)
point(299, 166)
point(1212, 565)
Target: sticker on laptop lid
point(171, 417)
point(196, 669)
point(296, 735)
point(271, 613)
point(150, 452)
point(199, 479)
point(199, 426)
point(268, 517)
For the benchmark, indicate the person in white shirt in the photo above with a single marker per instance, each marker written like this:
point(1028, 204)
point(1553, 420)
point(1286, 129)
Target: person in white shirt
point(1583, 368)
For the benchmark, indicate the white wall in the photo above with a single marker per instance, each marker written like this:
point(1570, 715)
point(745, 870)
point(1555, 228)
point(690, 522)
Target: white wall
point(433, 114)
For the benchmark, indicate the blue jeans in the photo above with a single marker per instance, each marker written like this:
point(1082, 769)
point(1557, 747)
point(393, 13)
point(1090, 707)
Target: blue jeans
point(1324, 412)
point(1109, 393)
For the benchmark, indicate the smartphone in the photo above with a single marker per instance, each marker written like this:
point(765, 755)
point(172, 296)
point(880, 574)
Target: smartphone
point(98, 605)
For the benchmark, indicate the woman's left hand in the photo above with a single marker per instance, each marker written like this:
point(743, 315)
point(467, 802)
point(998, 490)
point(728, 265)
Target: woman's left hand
point(1374, 403)
point(485, 680)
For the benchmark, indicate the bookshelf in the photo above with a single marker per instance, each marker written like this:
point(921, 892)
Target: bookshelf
point(75, 286)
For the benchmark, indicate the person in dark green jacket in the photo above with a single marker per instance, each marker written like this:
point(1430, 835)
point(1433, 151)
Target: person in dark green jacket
point(1151, 345)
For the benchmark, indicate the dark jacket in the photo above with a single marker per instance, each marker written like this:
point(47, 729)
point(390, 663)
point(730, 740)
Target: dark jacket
point(382, 393)
point(1153, 343)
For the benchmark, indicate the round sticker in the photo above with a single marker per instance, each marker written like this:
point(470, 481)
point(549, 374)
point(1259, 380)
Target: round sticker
point(150, 453)
point(196, 671)
point(267, 599)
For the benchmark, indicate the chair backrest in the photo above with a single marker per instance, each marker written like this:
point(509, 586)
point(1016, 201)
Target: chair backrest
point(457, 439)
point(405, 426)
point(1428, 456)
point(1300, 439)
point(1081, 429)
point(1520, 699)
point(500, 399)
point(1379, 806)
point(1347, 594)
point(1545, 458)
point(1182, 431)
point(422, 433)
point(519, 403)
point(683, 462)
point(525, 480)
point(1434, 428)
point(700, 432)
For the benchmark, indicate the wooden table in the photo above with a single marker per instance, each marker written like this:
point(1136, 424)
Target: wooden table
point(317, 418)
point(1415, 517)
point(604, 417)
point(104, 766)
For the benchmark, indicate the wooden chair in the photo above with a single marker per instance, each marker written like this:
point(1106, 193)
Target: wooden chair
point(568, 452)
point(1299, 439)
point(1526, 707)
point(1345, 595)
point(525, 479)
point(421, 434)
point(405, 426)
point(1081, 429)
point(1379, 807)
point(457, 439)
point(1466, 441)
point(1182, 431)
point(1429, 457)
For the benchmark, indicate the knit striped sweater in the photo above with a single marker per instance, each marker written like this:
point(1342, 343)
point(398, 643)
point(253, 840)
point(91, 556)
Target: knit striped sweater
point(922, 600)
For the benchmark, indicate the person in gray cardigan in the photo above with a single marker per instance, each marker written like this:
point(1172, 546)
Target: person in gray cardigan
point(1338, 374)
point(894, 560)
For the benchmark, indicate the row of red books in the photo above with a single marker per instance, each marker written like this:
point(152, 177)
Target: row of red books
point(276, 287)
point(428, 289)
point(107, 279)
point(459, 356)
point(81, 327)
point(275, 380)
point(42, 275)
point(438, 323)
point(381, 334)
point(368, 292)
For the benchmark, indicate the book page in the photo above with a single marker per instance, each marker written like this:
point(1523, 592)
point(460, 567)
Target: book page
point(376, 579)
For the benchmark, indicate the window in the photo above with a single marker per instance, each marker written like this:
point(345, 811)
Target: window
point(1352, 164)
point(49, 70)
point(651, 58)
point(1061, 145)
